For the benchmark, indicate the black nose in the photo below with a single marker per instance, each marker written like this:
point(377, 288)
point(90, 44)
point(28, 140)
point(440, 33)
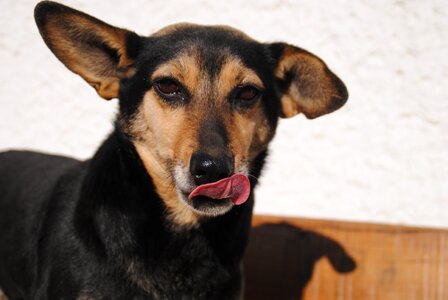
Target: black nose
point(206, 168)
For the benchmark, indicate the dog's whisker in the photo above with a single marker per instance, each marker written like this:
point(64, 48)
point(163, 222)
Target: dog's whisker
point(252, 176)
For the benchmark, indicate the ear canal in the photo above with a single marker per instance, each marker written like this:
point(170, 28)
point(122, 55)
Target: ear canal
point(101, 54)
point(306, 83)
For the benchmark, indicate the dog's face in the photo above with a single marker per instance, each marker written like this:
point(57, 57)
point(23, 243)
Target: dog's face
point(200, 103)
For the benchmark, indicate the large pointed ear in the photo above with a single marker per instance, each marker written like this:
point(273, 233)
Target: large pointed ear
point(306, 84)
point(99, 53)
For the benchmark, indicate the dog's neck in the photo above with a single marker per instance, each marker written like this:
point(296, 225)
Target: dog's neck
point(124, 220)
point(118, 195)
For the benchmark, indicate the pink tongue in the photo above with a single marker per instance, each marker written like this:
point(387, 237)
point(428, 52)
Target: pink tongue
point(236, 187)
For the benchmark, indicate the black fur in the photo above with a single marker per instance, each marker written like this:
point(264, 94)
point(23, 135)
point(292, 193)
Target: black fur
point(97, 229)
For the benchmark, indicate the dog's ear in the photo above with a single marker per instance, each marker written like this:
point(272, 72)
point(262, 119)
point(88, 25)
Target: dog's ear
point(306, 84)
point(99, 53)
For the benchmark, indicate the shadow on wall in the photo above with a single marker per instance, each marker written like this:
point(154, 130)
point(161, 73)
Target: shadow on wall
point(280, 259)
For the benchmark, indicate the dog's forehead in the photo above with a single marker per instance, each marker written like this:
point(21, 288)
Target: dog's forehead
point(207, 47)
point(191, 28)
point(193, 66)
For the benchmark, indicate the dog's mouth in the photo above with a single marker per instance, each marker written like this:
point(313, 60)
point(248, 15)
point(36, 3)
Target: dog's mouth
point(217, 198)
point(236, 188)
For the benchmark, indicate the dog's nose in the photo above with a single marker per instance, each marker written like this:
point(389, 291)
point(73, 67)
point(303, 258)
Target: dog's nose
point(206, 168)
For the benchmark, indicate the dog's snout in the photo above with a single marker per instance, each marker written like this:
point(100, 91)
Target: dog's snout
point(206, 168)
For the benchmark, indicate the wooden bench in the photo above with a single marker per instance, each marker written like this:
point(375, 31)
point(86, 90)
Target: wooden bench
point(290, 258)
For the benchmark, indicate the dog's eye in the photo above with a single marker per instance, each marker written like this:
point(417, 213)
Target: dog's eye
point(170, 91)
point(246, 95)
point(167, 87)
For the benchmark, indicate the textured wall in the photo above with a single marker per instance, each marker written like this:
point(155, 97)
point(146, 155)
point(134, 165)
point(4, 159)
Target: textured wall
point(382, 158)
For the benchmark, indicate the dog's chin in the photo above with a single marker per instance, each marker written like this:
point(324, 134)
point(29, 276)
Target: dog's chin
point(206, 206)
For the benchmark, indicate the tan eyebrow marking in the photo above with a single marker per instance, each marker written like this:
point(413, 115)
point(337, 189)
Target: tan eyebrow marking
point(234, 73)
point(184, 68)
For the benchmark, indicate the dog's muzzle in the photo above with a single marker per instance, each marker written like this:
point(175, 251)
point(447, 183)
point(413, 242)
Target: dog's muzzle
point(218, 188)
point(206, 168)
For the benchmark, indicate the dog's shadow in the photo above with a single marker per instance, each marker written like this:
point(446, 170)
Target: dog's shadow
point(280, 258)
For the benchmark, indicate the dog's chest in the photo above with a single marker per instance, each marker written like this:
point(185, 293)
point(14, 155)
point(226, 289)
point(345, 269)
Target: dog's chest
point(187, 270)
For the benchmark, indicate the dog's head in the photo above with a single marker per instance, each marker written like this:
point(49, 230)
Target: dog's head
point(199, 103)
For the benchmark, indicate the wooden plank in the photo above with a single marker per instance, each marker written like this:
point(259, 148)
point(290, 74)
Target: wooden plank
point(290, 258)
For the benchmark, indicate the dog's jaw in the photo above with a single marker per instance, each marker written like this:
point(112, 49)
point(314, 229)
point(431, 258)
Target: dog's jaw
point(177, 211)
point(174, 186)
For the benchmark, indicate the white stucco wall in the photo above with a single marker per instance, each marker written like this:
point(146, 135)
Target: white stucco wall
point(382, 158)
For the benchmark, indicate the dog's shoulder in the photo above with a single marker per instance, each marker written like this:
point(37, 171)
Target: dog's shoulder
point(31, 170)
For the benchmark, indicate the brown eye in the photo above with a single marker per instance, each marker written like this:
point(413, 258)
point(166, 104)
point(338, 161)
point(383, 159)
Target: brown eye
point(167, 86)
point(170, 91)
point(246, 95)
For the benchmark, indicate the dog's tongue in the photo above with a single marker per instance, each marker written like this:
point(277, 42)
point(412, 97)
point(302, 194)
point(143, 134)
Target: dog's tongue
point(236, 187)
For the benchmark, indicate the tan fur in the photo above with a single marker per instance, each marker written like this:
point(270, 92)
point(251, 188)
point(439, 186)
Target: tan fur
point(2, 296)
point(312, 89)
point(184, 68)
point(249, 132)
point(233, 73)
point(165, 136)
point(156, 147)
point(91, 64)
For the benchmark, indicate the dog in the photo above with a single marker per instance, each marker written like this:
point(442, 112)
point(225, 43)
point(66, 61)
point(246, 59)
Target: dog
point(163, 209)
